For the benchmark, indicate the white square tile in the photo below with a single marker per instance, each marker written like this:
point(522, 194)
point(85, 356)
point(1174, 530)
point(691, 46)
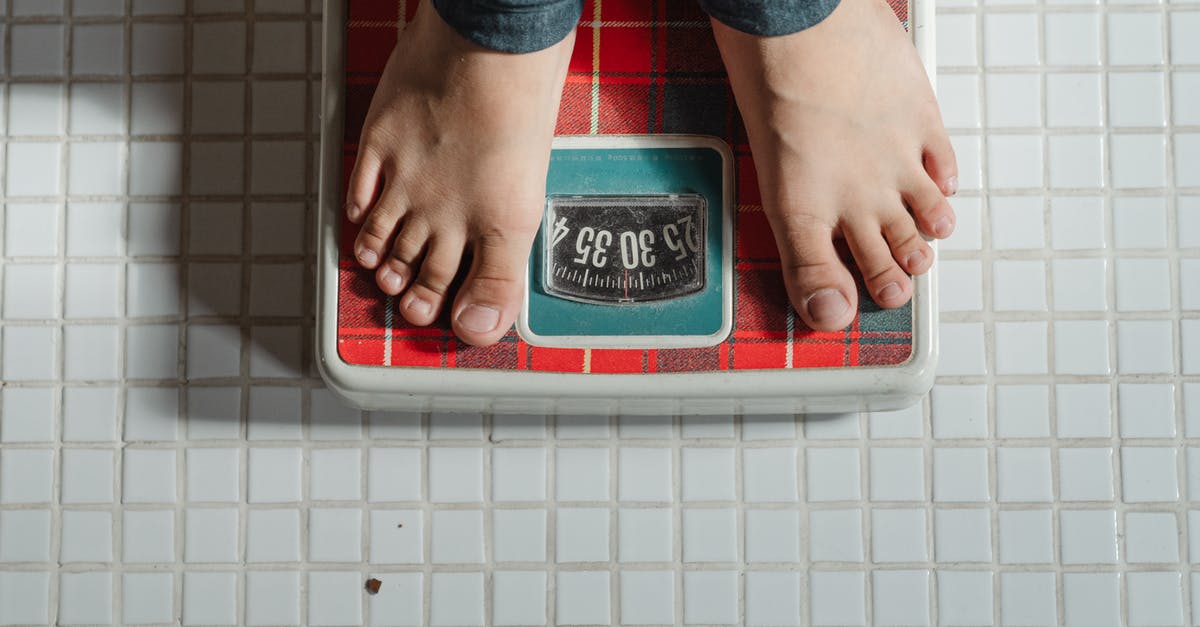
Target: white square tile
point(1023, 475)
point(570, 427)
point(1026, 536)
point(273, 598)
point(94, 229)
point(1185, 96)
point(152, 351)
point(1010, 39)
point(710, 597)
point(1085, 474)
point(86, 537)
point(1088, 536)
point(1014, 161)
point(518, 598)
point(644, 474)
point(1144, 347)
point(217, 167)
point(903, 423)
point(151, 414)
point(157, 49)
point(1147, 410)
point(582, 474)
point(1083, 410)
point(35, 109)
point(277, 167)
point(213, 475)
point(901, 597)
point(519, 535)
point(1136, 99)
point(279, 47)
point(1014, 100)
point(214, 351)
point(335, 534)
point(91, 291)
point(635, 426)
point(1081, 347)
point(582, 598)
point(968, 227)
point(833, 474)
point(1073, 38)
point(772, 535)
point(1189, 339)
point(959, 411)
point(335, 474)
point(397, 536)
point(31, 229)
point(1135, 38)
point(960, 285)
point(1021, 348)
point(582, 535)
point(1143, 284)
point(1189, 274)
point(147, 598)
point(274, 414)
point(772, 598)
point(25, 536)
point(1137, 161)
point(1151, 538)
point(958, 98)
point(87, 476)
point(960, 475)
point(394, 474)
point(209, 598)
point(897, 474)
point(457, 537)
point(702, 426)
point(1077, 223)
point(1187, 159)
point(1076, 161)
point(709, 535)
point(965, 597)
point(898, 535)
point(1073, 100)
point(1080, 284)
point(149, 476)
point(708, 474)
point(1154, 598)
point(956, 40)
point(30, 353)
point(518, 427)
point(157, 108)
point(1092, 599)
point(36, 50)
point(148, 536)
point(152, 289)
point(1184, 49)
point(831, 426)
point(837, 598)
point(273, 535)
point(1017, 223)
point(835, 535)
point(278, 106)
point(1191, 409)
point(34, 169)
point(648, 597)
point(1149, 475)
point(89, 414)
point(85, 598)
point(518, 474)
point(155, 168)
point(37, 7)
point(273, 475)
point(211, 536)
point(1022, 411)
point(769, 475)
point(30, 291)
point(1018, 285)
point(216, 229)
point(455, 475)
point(645, 535)
point(1028, 598)
point(28, 413)
point(335, 598)
point(278, 290)
point(98, 49)
point(27, 597)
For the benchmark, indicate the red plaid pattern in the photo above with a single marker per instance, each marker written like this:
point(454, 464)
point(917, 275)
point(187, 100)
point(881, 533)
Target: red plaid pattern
point(657, 71)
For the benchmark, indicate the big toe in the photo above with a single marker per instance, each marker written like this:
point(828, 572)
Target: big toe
point(818, 283)
point(490, 298)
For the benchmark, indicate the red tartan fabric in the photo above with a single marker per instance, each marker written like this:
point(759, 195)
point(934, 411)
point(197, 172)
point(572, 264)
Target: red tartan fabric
point(655, 69)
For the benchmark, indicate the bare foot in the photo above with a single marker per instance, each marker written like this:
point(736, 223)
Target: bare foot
point(453, 160)
point(847, 139)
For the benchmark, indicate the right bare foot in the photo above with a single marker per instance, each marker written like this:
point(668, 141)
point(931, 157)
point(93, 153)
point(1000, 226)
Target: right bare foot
point(453, 158)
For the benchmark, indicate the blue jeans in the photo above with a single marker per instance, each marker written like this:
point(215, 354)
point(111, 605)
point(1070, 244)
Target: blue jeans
point(520, 26)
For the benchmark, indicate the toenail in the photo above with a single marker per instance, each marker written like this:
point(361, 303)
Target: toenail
point(827, 304)
point(891, 291)
point(353, 211)
point(367, 257)
point(478, 318)
point(914, 259)
point(419, 306)
point(392, 281)
point(942, 227)
point(952, 186)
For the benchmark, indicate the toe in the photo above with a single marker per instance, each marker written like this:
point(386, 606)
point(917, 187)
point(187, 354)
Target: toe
point(888, 285)
point(491, 295)
point(908, 247)
point(818, 283)
point(364, 182)
point(423, 299)
point(377, 229)
point(929, 206)
point(940, 164)
point(397, 269)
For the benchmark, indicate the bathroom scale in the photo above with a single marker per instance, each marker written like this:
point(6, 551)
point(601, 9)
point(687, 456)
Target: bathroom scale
point(653, 286)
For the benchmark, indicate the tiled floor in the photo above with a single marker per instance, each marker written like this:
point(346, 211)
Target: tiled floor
point(167, 453)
